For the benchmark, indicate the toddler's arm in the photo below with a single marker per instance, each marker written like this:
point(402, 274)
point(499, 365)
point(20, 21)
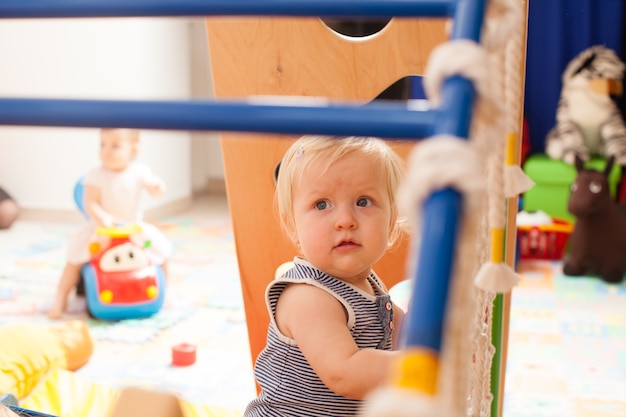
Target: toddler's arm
point(317, 322)
point(92, 200)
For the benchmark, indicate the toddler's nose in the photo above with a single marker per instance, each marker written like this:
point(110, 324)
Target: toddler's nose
point(345, 219)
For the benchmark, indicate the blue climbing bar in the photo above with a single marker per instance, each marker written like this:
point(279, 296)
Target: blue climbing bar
point(324, 8)
point(387, 120)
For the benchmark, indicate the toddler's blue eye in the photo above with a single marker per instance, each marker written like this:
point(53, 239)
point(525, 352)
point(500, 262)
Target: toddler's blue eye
point(321, 205)
point(363, 202)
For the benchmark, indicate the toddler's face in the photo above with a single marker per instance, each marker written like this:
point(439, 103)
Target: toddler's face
point(343, 216)
point(116, 150)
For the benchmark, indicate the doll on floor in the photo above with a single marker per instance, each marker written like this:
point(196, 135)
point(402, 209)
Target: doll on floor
point(113, 194)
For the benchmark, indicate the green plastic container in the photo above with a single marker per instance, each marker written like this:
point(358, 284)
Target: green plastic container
point(552, 181)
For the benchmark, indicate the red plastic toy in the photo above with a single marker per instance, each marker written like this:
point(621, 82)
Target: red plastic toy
point(121, 281)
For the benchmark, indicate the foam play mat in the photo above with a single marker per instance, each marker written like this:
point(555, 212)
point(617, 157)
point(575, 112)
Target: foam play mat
point(567, 346)
point(203, 307)
point(566, 355)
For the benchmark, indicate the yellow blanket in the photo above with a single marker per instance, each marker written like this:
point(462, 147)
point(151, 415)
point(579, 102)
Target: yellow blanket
point(63, 393)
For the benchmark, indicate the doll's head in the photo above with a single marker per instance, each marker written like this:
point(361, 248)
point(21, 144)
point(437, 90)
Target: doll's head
point(319, 156)
point(118, 148)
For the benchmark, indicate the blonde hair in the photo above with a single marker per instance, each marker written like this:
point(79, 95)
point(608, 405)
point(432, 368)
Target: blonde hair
point(324, 151)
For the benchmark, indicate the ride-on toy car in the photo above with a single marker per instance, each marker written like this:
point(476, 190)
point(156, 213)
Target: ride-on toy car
point(120, 280)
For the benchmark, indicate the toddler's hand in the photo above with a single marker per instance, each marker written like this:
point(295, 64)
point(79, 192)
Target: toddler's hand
point(155, 187)
point(107, 221)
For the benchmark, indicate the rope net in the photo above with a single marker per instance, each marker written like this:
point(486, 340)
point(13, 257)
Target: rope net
point(483, 170)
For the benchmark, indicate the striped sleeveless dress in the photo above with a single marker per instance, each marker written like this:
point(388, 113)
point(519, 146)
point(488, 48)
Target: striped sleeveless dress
point(289, 386)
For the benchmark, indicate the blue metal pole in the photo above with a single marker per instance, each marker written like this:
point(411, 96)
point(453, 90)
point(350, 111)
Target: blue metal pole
point(389, 120)
point(443, 209)
point(324, 8)
point(441, 215)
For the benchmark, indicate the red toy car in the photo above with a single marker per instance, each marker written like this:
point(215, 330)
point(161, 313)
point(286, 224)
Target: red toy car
point(121, 282)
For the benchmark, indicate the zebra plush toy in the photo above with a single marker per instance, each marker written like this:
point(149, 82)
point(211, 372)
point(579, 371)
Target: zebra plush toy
point(588, 122)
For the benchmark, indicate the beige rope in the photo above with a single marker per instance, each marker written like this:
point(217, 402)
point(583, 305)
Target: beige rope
point(515, 180)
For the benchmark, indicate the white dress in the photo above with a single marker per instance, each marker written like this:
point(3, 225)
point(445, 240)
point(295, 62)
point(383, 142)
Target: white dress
point(121, 196)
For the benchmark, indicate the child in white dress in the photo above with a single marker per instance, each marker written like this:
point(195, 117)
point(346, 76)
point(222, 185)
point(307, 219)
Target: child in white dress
point(112, 196)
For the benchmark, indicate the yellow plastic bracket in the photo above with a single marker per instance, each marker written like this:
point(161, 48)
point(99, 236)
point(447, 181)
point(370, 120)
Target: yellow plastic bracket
point(417, 369)
point(497, 245)
point(511, 141)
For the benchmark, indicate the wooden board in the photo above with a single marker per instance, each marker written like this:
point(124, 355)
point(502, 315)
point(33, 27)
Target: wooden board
point(303, 57)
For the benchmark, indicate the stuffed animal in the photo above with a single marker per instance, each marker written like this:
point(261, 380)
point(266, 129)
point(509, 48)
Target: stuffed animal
point(598, 242)
point(588, 122)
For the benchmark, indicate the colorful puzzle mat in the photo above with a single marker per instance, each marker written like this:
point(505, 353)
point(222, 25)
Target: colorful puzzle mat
point(203, 307)
point(567, 346)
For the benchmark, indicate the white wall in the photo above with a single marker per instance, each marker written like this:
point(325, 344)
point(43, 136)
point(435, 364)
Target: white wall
point(206, 155)
point(128, 58)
